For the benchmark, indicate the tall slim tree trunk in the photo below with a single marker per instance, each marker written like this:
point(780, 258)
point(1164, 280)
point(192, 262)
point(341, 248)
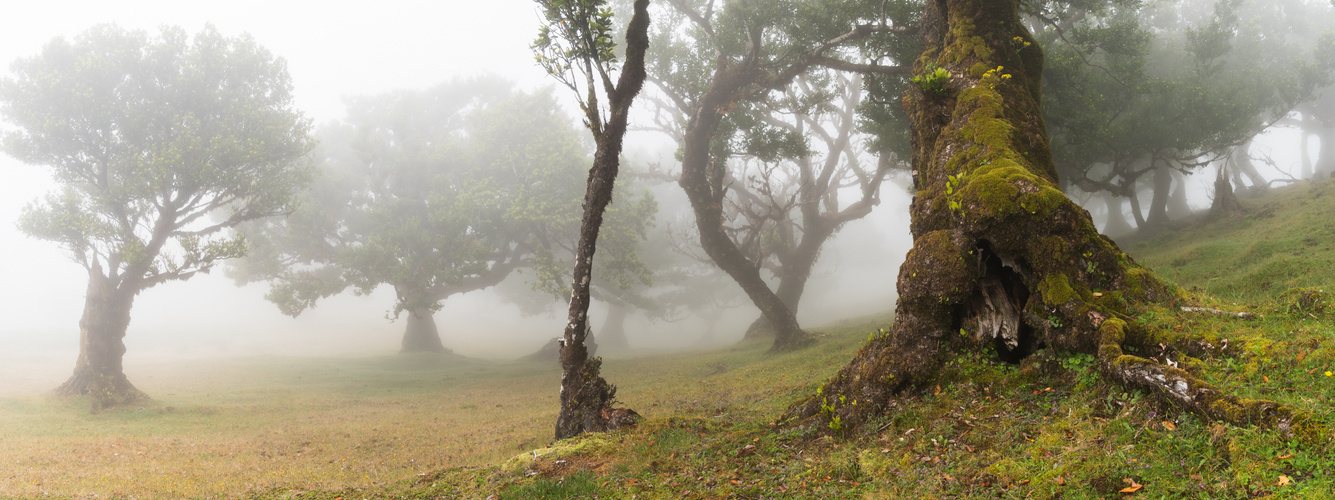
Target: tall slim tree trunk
point(998, 250)
point(421, 334)
point(586, 399)
point(99, 371)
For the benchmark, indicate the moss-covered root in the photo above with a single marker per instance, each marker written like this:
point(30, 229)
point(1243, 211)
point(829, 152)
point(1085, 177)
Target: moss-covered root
point(937, 277)
point(1195, 395)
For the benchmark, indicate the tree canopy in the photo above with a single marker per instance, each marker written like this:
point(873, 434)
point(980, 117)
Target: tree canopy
point(160, 145)
point(433, 192)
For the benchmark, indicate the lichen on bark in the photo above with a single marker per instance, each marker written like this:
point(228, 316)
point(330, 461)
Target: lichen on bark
point(996, 240)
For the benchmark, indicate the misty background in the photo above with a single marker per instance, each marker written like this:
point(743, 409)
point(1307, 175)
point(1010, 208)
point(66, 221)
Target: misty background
point(334, 50)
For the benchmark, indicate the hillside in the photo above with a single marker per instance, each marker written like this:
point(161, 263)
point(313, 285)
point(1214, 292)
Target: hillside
point(1047, 428)
point(446, 427)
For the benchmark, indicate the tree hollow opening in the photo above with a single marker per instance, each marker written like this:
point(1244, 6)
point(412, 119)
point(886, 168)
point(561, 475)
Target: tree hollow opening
point(996, 308)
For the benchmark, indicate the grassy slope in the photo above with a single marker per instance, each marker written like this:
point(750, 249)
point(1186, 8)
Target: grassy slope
point(1044, 429)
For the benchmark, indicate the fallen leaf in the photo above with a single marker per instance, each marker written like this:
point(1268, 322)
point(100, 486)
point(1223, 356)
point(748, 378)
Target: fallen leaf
point(1169, 425)
point(947, 477)
point(1283, 481)
point(1133, 488)
point(734, 481)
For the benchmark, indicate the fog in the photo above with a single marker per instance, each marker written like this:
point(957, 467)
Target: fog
point(343, 49)
point(337, 49)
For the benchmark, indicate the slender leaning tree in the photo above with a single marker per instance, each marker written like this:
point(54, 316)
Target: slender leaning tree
point(160, 145)
point(999, 253)
point(576, 46)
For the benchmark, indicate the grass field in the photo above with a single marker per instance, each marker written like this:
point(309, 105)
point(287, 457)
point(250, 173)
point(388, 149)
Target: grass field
point(446, 427)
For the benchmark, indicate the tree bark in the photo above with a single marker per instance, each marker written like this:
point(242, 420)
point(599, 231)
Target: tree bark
point(99, 371)
point(421, 334)
point(586, 399)
point(999, 252)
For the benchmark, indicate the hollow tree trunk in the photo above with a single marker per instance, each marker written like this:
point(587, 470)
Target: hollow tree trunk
point(99, 371)
point(586, 398)
point(1225, 203)
point(1117, 224)
point(421, 334)
point(613, 335)
point(998, 250)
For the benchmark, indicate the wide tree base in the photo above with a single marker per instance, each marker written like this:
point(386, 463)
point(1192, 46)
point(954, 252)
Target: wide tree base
point(1168, 366)
point(105, 390)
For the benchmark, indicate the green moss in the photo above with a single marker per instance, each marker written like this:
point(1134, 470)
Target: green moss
point(593, 443)
point(1056, 290)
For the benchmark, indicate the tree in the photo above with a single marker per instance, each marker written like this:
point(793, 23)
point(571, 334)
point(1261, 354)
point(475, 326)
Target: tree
point(1000, 256)
point(161, 145)
point(1139, 93)
point(433, 192)
point(576, 47)
point(750, 80)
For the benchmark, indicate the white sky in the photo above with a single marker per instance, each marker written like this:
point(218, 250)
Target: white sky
point(333, 49)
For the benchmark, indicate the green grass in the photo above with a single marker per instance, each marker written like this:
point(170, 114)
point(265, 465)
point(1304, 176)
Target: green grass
point(427, 427)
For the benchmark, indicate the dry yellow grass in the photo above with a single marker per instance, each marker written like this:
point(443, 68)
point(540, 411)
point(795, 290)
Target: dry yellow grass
point(223, 427)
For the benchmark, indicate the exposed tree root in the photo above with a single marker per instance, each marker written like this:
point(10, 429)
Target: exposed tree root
point(1211, 310)
point(105, 390)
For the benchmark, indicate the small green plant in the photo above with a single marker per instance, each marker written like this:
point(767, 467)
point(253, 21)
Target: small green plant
point(934, 80)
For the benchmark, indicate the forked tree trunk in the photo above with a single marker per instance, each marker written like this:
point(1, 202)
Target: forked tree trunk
point(998, 250)
point(703, 181)
point(421, 334)
point(586, 399)
point(99, 372)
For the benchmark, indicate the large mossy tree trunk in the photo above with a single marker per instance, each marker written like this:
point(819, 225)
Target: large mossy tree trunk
point(421, 334)
point(999, 252)
point(99, 372)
